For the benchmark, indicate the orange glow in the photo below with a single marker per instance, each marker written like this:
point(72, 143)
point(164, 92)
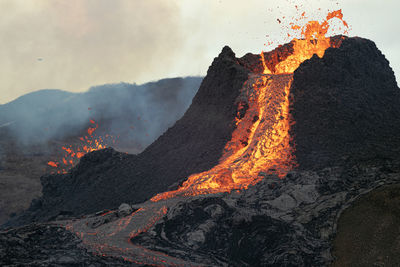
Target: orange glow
point(73, 153)
point(52, 164)
point(261, 142)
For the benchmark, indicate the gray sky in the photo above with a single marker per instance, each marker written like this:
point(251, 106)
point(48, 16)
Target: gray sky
point(74, 44)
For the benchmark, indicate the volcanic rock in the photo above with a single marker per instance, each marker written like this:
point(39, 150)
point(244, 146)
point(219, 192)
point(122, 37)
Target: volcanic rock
point(48, 245)
point(373, 220)
point(346, 106)
point(124, 209)
point(291, 224)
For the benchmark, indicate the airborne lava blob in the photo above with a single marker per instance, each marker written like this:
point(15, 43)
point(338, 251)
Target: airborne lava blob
point(261, 140)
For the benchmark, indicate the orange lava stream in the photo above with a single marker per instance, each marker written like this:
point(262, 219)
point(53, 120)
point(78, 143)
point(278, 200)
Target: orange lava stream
point(261, 142)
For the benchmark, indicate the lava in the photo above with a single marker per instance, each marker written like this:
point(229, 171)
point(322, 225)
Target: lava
point(90, 142)
point(260, 145)
point(313, 41)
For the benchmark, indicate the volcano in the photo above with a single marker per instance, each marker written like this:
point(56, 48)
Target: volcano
point(272, 149)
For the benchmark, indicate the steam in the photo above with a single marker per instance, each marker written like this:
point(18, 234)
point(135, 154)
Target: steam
point(135, 114)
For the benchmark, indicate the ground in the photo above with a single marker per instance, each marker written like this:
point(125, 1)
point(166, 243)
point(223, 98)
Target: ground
point(19, 181)
point(20, 170)
point(369, 231)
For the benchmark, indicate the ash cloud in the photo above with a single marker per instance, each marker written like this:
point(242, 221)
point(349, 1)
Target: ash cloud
point(135, 114)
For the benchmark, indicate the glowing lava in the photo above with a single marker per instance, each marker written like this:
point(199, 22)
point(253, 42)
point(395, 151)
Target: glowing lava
point(313, 41)
point(261, 140)
point(89, 143)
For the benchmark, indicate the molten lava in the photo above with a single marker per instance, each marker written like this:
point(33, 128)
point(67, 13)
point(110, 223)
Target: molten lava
point(261, 140)
point(89, 143)
point(313, 41)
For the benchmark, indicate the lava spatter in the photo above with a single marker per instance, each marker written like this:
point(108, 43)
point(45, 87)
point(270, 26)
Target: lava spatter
point(88, 143)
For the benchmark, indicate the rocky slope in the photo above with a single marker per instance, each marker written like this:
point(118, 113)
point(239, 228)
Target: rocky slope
point(275, 223)
point(368, 232)
point(48, 245)
point(346, 107)
point(289, 222)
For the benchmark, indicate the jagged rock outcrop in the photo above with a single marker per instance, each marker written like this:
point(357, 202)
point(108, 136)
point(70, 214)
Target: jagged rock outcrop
point(289, 222)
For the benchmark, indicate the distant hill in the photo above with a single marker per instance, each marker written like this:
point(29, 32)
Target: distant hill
point(136, 113)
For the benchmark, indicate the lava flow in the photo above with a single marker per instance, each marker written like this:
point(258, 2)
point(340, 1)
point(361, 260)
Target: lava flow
point(261, 140)
point(260, 145)
point(88, 143)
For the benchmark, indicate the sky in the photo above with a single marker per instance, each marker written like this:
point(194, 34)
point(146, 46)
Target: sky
point(75, 44)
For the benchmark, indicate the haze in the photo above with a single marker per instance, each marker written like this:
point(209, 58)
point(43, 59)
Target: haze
point(74, 44)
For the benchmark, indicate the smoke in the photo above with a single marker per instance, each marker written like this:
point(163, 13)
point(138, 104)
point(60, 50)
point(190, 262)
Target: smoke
point(71, 45)
point(136, 114)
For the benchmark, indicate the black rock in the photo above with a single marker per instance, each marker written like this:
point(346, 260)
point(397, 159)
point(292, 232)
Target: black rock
point(48, 245)
point(346, 106)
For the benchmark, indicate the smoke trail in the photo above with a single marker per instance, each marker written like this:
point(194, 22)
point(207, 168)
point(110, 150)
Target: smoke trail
point(138, 114)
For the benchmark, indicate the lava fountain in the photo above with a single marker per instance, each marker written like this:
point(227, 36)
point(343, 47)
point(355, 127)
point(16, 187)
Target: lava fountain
point(261, 140)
